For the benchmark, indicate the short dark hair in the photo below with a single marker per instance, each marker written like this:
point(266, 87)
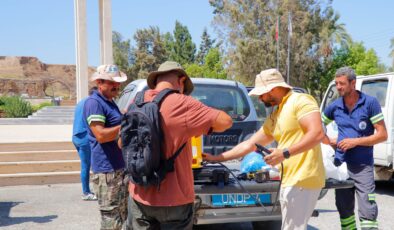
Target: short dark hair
point(346, 71)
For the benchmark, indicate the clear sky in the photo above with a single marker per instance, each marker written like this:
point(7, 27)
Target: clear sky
point(45, 28)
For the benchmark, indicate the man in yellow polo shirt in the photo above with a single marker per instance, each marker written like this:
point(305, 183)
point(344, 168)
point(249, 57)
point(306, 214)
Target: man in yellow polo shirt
point(296, 126)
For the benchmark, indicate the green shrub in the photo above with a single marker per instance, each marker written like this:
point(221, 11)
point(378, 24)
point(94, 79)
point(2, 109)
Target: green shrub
point(16, 107)
point(40, 106)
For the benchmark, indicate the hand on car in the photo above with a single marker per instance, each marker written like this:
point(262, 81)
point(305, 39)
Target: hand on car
point(347, 143)
point(276, 157)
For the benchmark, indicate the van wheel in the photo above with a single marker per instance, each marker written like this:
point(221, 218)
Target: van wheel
point(272, 224)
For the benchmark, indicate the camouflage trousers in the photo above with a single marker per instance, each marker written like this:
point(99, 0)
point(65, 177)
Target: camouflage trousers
point(112, 193)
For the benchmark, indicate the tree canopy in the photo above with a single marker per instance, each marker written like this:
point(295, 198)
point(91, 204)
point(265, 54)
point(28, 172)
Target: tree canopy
point(205, 46)
point(183, 49)
point(253, 35)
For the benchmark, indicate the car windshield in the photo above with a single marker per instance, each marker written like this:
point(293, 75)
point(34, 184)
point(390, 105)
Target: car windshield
point(228, 99)
point(259, 107)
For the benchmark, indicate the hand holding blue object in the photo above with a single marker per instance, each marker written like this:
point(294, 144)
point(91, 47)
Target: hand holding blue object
point(252, 162)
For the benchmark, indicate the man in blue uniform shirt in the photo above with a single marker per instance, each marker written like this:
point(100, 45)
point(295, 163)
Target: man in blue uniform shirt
point(103, 117)
point(357, 116)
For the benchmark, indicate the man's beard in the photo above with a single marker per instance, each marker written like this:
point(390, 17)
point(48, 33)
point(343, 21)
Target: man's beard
point(267, 104)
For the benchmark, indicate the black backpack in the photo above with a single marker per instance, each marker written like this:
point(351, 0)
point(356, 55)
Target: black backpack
point(142, 138)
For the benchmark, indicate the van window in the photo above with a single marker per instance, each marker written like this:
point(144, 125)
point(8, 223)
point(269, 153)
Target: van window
point(228, 99)
point(377, 89)
point(331, 96)
point(126, 96)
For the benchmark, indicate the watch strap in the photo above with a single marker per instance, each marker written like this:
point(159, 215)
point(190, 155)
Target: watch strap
point(286, 153)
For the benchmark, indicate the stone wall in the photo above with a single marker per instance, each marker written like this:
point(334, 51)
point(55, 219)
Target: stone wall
point(33, 88)
point(28, 75)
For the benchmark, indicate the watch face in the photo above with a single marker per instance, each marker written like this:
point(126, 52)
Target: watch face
point(286, 153)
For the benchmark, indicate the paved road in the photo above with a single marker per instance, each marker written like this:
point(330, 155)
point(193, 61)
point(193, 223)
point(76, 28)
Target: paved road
point(60, 207)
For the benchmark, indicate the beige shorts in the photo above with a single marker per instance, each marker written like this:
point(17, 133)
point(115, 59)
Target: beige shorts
point(297, 206)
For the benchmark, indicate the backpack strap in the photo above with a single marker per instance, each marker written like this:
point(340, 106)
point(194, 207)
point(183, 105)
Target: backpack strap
point(139, 98)
point(170, 161)
point(162, 94)
point(167, 167)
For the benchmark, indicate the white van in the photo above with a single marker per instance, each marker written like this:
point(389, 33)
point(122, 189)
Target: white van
point(380, 86)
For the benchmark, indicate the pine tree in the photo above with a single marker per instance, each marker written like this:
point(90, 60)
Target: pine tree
point(149, 52)
point(205, 46)
point(184, 49)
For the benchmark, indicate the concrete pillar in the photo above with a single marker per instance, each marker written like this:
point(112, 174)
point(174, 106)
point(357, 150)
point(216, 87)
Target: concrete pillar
point(81, 49)
point(105, 24)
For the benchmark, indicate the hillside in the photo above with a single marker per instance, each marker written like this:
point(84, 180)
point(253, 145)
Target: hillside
point(28, 75)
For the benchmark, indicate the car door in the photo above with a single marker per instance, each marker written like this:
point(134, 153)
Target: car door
point(378, 87)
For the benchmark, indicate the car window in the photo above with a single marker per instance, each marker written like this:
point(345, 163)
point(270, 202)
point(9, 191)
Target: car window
point(228, 99)
point(331, 96)
point(377, 89)
point(126, 96)
point(259, 107)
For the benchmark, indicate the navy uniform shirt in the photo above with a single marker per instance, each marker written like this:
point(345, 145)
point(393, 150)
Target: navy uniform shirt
point(106, 157)
point(353, 124)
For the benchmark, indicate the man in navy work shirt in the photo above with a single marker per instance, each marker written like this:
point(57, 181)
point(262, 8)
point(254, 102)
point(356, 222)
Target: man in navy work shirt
point(103, 117)
point(357, 116)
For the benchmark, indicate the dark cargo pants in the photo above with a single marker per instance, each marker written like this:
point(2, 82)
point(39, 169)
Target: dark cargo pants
point(143, 217)
point(364, 189)
point(111, 191)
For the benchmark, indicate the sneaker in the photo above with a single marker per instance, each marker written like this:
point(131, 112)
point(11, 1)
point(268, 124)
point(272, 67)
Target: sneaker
point(89, 196)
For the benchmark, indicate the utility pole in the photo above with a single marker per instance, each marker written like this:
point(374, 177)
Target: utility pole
point(290, 31)
point(277, 41)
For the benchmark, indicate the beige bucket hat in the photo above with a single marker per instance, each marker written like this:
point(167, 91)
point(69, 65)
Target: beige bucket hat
point(110, 73)
point(266, 81)
point(167, 67)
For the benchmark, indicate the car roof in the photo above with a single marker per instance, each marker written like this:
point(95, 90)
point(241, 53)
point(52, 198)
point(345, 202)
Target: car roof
point(370, 76)
point(207, 81)
point(295, 89)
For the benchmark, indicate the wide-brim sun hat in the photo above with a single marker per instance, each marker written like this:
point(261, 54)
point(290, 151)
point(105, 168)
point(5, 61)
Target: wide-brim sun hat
point(110, 73)
point(166, 67)
point(266, 81)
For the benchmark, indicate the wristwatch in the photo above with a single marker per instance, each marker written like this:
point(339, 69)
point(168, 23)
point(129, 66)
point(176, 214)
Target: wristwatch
point(286, 153)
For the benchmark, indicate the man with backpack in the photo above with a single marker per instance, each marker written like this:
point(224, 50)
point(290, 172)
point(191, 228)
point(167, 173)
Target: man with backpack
point(103, 118)
point(168, 204)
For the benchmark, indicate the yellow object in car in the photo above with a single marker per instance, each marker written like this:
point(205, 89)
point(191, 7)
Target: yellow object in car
point(197, 146)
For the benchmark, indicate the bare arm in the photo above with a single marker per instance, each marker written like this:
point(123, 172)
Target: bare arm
point(326, 140)
point(379, 136)
point(104, 134)
point(242, 148)
point(313, 135)
point(330, 141)
point(223, 121)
